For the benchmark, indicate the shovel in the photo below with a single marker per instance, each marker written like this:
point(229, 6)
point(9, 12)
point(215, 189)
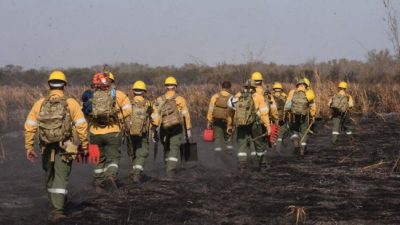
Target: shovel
point(189, 148)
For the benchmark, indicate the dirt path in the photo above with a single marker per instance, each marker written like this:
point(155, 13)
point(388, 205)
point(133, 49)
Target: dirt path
point(332, 188)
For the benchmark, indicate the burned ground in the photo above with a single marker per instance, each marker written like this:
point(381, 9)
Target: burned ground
point(333, 184)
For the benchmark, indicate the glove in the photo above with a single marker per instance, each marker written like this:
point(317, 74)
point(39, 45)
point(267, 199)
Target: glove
point(268, 130)
point(209, 125)
point(189, 133)
point(312, 120)
point(229, 131)
point(31, 155)
point(83, 154)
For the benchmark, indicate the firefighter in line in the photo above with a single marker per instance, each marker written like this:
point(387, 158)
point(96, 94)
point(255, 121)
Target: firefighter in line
point(219, 115)
point(54, 117)
point(253, 124)
point(280, 99)
point(110, 108)
point(139, 124)
point(302, 108)
point(340, 104)
point(171, 116)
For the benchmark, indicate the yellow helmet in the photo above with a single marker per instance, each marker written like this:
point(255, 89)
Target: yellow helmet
point(343, 85)
point(170, 81)
point(277, 85)
point(57, 75)
point(139, 85)
point(256, 76)
point(301, 81)
point(307, 81)
point(111, 76)
point(310, 95)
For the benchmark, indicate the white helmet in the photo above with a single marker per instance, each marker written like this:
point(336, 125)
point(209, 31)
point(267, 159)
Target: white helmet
point(232, 102)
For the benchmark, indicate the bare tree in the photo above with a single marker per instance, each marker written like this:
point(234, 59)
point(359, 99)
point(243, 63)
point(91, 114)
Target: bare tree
point(393, 24)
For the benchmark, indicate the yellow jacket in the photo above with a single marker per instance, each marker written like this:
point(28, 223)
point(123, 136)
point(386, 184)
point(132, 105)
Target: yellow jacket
point(261, 107)
point(180, 103)
point(343, 92)
point(124, 108)
point(273, 110)
point(211, 107)
point(312, 105)
point(31, 123)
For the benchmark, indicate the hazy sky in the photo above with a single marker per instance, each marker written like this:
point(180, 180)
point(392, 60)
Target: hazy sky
point(64, 33)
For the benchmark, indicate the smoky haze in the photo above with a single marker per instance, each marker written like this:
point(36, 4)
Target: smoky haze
point(47, 33)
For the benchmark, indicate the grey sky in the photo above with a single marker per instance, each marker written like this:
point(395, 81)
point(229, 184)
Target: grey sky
point(61, 33)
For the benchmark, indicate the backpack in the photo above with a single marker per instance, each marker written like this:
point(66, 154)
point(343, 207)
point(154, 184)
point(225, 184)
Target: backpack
point(280, 105)
point(300, 103)
point(340, 103)
point(87, 102)
point(54, 119)
point(245, 110)
point(170, 115)
point(139, 118)
point(220, 111)
point(104, 111)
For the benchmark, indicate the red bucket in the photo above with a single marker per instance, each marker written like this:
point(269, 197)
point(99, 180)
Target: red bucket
point(208, 135)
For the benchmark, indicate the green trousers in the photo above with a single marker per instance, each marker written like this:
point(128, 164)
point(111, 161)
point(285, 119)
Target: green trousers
point(256, 148)
point(171, 140)
point(340, 121)
point(140, 148)
point(222, 139)
point(110, 155)
point(283, 129)
point(299, 125)
point(57, 174)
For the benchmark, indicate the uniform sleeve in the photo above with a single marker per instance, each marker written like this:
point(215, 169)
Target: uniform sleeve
point(124, 104)
point(351, 102)
point(31, 125)
point(263, 109)
point(182, 107)
point(288, 103)
point(211, 108)
point(79, 121)
point(155, 115)
point(274, 110)
point(313, 109)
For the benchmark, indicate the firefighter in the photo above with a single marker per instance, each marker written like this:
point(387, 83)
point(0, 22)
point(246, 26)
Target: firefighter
point(171, 114)
point(219, 115)
point(340, 104)
point(110, 108)
point(253, 124)
point(280, 99)
point(139, 129)
point(54, 117)
point(302, 108)
point(257, 77)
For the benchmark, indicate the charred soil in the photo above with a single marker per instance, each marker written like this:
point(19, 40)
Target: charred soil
point(349, 183)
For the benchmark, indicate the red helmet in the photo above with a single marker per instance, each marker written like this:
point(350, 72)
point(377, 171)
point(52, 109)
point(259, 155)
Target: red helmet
point(100, 80)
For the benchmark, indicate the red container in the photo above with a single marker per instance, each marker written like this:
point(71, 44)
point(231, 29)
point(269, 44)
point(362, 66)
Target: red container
point(208, 135)
point(94, 154)
point(274, 133)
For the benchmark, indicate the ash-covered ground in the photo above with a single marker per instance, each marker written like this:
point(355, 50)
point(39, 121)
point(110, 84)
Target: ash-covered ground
point(329, 185)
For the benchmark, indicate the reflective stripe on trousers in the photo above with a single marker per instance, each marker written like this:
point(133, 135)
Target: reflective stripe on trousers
point(106, 168)
point(57, 191)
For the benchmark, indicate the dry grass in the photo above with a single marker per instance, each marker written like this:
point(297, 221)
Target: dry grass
point(15, 102)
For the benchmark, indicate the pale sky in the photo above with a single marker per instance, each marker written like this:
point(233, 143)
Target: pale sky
point(70, 33)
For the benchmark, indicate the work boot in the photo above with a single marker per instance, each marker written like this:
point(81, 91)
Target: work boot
point(302, 149)
point(137, 177)
point(242, 168)
point(110, 184)
point(334, 139)
point(264, 167)
point(56, 216)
